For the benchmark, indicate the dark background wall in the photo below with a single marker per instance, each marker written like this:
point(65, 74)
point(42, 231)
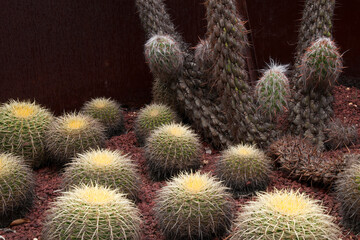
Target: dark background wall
point(64, 52)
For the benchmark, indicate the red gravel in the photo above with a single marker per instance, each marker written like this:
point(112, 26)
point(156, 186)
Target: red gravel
point(346, 107)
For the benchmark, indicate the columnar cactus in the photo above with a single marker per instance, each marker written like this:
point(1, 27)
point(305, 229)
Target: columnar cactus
point(272, 90)
point(151, 117)
point(22, 130)
point(73, 133)
point(108, 112)
point(92, 212)
point(193, 206)
point(17, 185)
point(310, 109)
point(244, 168)
point(104, 167)
point(172, 148)
point(285, 214)
point(348, 193)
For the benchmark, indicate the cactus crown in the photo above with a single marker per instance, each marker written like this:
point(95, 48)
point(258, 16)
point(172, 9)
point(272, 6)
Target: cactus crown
point(101, 158)
point(75, 123)
point(95, 195)
point(23, 109)
point(195, 183)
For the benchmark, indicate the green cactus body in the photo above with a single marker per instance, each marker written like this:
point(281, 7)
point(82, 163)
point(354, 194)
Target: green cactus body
point(22, 130)
point(150, 117)
point(272, 90)
point(108, 112)
point(193, 206)
point(17, 185)
point(348, 193)
point(284, 214)
point(172, 148)
point(73, 133)
point(92, 212)
point(310, 108)
point(104, 167)
point(244, 168)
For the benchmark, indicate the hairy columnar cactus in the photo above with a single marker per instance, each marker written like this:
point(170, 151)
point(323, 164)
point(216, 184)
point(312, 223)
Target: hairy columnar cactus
point(310, 108)
point(108, 112)
point(92, 212)
point(17, 185)
point(285, 214)
point(104, 167)
point(22, 130)
point(272, 90)
point(193, 206)
point(73, 133)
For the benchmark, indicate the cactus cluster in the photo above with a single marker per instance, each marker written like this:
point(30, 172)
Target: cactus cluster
point(22, 130)
point(340, 135)
point(348, 193)
point(272, 90)
point(17, 185)
point(151, 117)
point(172, 148)
point(298, 158)
point(104, 167)
point(108, 112)
point(284, 214)
point(193, 206)
point(92, 212)
point(244, 168)
point(73, 133)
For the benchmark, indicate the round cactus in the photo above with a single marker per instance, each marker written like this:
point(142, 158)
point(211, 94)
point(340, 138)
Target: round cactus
point(244, 168)
point(348, 193)
point(16, 188)
point(151, 117)
point(284, 214)
point(92, 212)
point(272, 90)
point(108, 112)
point(321, 64)
point(105, 167)
point(22, 129)
point(340, 135)
point(193, 206)
point(163, 55)
point(73, 133)
point(172, 148)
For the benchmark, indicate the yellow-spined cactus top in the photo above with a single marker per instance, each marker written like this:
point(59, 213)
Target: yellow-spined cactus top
point(95, 195)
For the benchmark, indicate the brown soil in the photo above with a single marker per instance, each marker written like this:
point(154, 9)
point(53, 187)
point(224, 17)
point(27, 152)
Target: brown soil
point(346, 107)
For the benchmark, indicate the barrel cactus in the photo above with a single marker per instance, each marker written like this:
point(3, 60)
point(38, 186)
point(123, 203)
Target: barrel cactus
point(22, 130)
point(151, 117)
point(272, 90)
point(105, 167)
point(108, 112)
point(348, 193)
point(244, 168)
point(172, 148)
point(73, 133)
point(92, 212)
point(285, 214)
point(17, 185)
point(193, 206)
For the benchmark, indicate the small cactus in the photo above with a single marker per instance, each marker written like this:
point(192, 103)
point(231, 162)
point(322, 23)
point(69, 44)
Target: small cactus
point(284, 214)
point(204, 55)
point(172, 148)
point(150, 117)
point(73, 133)
point(92, 212)
point(272, 90)
point(244, 168)
point(17, 185)
point(105, 167)
point(193, 206)
point(108, 112)
point(348, 193)
point(22, 130)
point(321, 64)
point(340, 135)
point(164, 55)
